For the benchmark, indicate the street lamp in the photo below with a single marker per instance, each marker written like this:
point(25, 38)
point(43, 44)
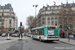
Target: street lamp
point(35, 12)
point(10, 23)
point(2, 22)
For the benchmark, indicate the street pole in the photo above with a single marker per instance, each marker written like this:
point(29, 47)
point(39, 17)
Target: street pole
point(20, 32)
point(35, 13)
point(68, 37)
point(2, 23)
point(9, 29)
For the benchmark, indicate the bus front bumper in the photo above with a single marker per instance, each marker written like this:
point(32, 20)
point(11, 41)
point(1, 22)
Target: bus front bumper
point(55, 39)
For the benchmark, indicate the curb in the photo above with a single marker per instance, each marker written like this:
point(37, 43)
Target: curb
point(66, 43)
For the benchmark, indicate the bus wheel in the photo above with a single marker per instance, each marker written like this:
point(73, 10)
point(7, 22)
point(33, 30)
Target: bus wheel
point(40, 39)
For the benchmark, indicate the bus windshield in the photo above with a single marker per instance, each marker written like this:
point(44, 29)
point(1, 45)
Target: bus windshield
point(52, 28)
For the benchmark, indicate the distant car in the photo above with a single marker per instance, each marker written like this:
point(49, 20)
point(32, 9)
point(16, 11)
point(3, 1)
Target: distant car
point(10, 33)
point(29, 34)
point(3, 35)
point(14, 35)
point(71, 36)
point(23, 34)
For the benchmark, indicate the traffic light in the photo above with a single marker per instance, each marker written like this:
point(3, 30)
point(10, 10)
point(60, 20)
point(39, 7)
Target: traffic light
point(65, 29)
point(60, 25)
point(20, 23)
point(31, 26)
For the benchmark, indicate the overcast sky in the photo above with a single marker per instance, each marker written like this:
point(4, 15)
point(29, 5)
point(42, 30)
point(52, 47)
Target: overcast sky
point(24, 8)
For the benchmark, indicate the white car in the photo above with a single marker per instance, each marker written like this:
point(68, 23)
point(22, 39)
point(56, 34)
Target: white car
point(71, 36)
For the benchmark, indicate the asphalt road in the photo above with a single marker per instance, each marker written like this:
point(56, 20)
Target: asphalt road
point(29, 44)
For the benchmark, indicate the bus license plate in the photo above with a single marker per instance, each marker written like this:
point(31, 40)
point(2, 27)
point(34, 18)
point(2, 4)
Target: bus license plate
point(53, 37)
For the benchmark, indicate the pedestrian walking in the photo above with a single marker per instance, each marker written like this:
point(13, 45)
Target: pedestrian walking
point(25, 35)
point(61, 33)
point(19, 35)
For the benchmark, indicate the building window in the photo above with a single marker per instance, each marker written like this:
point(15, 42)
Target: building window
point(43, 17)
point(65, 16)
point(48, 21)
point(55, 24)
point(52, 22)
point(10, 10)
point(3, 10)
point(57, 7)
point(43, 9)
point(52, 8)
point(10, 14)
point(70, 12)
point(2, 14)
point(70, 16)
point(56, 20)
point(48, 8)
point(51, 16)
point(55, 12)
point(48, 17)
point(56, 17)
point(64, 4)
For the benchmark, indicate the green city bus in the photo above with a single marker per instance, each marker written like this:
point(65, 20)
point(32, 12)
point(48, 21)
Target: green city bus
point(46, 33)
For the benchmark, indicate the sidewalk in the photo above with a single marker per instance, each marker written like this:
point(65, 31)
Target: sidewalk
point(65, 40)
point(3, 39)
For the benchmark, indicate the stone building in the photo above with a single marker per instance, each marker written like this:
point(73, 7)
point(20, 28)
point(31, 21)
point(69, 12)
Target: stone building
point(7, 18)
point(68, 16)
point(57, 14)
point(49, 15)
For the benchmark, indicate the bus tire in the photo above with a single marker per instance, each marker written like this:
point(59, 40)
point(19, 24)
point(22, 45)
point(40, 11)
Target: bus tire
point(33, 38)
point(40, 39)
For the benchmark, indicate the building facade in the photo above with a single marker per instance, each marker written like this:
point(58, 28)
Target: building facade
point(68, 16)
point(7, 18)
point(49, 15)
point(16, 23)
point(58, 14)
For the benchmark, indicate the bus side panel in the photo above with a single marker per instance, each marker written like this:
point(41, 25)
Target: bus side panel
point(45, 31)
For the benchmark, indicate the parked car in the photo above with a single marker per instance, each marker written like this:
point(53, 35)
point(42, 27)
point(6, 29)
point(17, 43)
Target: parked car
point(23, 34)
point(0, 33)
point(3, 35)
point(71, 36)
point(14, 35)
point(10, 33)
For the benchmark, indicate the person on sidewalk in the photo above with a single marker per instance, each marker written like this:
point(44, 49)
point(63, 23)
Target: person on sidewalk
point(25, 35)
point(61, 33)
point(74, 36)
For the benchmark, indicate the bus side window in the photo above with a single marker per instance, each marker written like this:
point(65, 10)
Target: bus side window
point(33, 32)
point(42, 31)
point(39, 31)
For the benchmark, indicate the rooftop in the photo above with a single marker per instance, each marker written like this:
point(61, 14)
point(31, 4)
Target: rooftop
point(7, 6)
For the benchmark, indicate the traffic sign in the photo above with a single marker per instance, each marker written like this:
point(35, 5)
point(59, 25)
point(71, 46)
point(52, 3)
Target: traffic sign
point(68, 28)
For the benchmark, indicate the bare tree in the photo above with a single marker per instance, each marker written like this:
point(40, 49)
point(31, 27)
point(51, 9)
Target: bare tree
point(29, 20)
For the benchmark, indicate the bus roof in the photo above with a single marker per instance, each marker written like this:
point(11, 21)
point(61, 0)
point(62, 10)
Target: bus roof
point(37, 28)
point(43, 27)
